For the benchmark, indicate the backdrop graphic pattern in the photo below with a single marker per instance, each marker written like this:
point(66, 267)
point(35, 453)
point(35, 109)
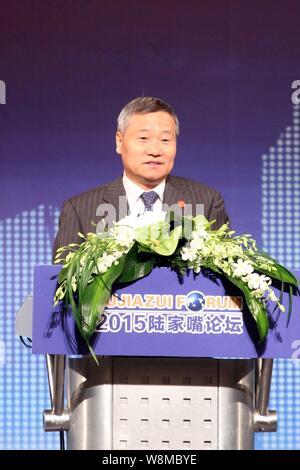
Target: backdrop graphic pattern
point(27, 241)
point(281, 238)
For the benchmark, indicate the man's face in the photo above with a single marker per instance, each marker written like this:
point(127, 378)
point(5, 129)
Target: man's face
point(148, 148)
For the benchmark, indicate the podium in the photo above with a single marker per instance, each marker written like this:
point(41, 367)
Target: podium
point(180, 366)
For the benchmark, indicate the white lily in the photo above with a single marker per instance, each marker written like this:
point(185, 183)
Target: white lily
point(256, 281)
point(188, 254)
point(242, 268)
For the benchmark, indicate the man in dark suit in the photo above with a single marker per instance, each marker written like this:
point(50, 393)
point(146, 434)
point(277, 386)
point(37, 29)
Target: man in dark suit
point(146, 140)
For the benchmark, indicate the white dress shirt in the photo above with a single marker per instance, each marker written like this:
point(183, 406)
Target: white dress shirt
point(133, 193)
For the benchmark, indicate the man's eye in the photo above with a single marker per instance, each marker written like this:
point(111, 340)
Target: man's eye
point(166, 140)
point(143, 138)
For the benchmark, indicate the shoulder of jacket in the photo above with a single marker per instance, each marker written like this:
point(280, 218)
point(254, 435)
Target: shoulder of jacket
point(191, 184)
point(96, 192)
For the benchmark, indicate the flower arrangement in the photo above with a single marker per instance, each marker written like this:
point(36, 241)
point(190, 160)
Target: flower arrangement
point(135, 245)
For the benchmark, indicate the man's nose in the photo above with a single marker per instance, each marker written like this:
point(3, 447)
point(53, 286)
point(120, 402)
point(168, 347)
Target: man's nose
point(154, 148)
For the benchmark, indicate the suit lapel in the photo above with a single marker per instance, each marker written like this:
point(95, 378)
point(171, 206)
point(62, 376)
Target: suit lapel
point(174, 191)
point(114, 193)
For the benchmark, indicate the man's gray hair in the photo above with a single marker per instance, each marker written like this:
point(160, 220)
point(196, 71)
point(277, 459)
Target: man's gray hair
point(144, 105)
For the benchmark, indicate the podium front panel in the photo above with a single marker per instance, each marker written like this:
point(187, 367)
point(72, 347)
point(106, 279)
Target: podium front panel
point(159, 316)
point(144, 403)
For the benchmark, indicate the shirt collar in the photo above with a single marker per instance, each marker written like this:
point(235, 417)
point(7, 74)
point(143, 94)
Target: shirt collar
point(134, 191)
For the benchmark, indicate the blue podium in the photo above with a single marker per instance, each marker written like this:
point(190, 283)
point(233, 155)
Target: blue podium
point(181, 366)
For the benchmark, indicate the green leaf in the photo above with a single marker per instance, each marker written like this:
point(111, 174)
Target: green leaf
point(145, 235)
point(290, 305)
point(96, 296)
point(89, 267)
point(167, 246)
point(70, 297)
point(285, 275)
point(162, 245)
point(62, 276)
point(280, 273)
point(135, 266)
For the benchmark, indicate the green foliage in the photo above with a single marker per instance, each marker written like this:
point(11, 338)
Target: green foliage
point(127, 253)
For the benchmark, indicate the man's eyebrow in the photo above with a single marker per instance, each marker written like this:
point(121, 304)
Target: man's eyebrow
point(166, 131)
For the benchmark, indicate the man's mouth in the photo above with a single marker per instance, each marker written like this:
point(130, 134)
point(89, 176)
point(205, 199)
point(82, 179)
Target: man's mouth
point(153, 163)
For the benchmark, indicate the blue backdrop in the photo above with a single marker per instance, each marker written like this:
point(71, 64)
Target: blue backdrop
point(69, 66)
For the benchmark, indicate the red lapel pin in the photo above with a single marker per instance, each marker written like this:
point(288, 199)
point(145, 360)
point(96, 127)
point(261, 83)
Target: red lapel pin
point(181, 203)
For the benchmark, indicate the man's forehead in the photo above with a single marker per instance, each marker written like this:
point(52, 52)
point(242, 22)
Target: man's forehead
point(146, 121)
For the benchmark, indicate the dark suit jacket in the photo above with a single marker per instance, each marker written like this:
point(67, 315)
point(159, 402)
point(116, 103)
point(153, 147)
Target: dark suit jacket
point(79, 212)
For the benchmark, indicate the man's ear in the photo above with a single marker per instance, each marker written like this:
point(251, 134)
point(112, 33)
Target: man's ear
point(118, 142)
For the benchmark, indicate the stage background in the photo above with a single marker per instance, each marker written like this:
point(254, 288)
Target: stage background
point(69, 66)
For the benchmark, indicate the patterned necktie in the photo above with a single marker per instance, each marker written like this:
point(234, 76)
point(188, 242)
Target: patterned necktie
point(149, 199)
